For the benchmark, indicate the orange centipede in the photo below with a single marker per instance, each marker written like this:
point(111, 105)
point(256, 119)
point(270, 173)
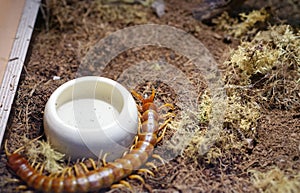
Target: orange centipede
point(107, 175)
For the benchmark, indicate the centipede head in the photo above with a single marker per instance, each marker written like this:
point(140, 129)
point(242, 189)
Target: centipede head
point(150, 99)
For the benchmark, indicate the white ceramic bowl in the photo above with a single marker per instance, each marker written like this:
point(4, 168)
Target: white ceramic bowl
point(90, 116)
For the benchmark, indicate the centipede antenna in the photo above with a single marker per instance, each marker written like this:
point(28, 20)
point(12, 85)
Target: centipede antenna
point(136, 95)
point(151, 97)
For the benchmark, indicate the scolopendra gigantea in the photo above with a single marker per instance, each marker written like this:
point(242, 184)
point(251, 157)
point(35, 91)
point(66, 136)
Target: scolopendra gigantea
point(110, 173)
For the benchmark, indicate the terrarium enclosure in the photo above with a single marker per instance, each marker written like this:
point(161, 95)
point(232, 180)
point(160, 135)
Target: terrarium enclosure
point(231, 69)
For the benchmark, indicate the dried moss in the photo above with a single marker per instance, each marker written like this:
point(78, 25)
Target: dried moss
point(242, 115)
point(269, 65)
point(246, 25)
point(258, 57)
point(122, 12)
point(250, 59)
point(205, 108)
point(275, 180)
point(185, 139)
point(42, 153)
point(264, 71)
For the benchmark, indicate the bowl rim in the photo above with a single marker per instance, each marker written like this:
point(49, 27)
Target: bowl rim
point(54, 126)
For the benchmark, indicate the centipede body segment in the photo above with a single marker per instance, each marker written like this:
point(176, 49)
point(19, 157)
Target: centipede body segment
point(102, 177)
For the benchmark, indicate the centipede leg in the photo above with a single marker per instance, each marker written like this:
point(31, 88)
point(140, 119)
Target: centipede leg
point(38, 166)
point(93, 163)
point(68, 171)
point(163, 128)
point(77, 171)
point(80, 170)
point(54, 175)
point(6, 149)
point(162, 135)
point(137, 177)
point(33, 163)
point(144, 170)
point(136, 138)
point(122, 184)
point(140, 109)
point(21, 187)
point(35, 166)
point(84, 167)
point(169, 105)
point(151, 165)
point(140, 123)
point(156, 156)
point(42, 168)
point(167, 115)
point(31, 141)
point(104, 159)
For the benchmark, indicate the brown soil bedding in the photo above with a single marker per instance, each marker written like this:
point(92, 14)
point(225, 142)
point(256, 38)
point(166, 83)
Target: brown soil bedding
point(64, 34)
